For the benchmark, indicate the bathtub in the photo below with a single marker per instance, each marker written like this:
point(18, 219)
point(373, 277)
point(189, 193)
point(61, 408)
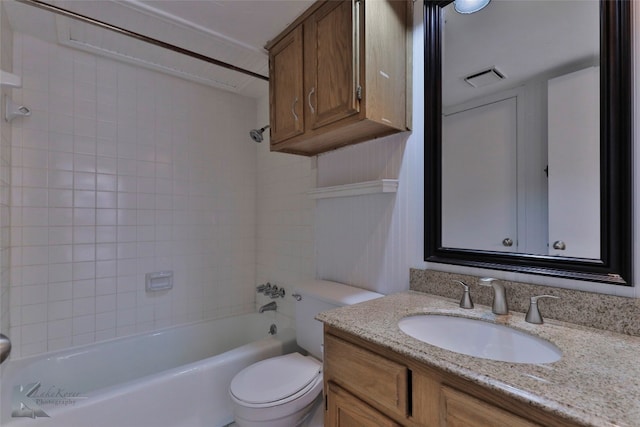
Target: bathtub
point(176, 377)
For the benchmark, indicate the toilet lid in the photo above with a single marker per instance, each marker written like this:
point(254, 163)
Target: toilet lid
point(275, 379)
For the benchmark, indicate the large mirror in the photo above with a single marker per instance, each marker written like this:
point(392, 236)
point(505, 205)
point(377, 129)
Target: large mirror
point(528, 137)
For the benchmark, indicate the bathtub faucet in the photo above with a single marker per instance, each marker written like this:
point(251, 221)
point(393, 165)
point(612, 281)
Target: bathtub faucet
point(270, 306)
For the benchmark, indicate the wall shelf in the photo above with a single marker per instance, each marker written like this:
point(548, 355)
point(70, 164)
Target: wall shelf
point(378, 186)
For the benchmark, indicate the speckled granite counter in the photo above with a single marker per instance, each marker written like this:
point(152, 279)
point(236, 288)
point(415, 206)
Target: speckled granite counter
point(596, 383)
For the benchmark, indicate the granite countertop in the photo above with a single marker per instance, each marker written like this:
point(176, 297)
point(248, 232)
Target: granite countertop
point(596, 382)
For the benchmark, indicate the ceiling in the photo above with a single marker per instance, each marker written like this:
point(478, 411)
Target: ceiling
point(232, 31)
point(523, 39)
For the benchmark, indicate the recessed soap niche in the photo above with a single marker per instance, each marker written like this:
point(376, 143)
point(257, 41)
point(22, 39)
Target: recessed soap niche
point(158, 281)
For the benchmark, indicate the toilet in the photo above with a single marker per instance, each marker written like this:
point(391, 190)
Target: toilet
point(284, 391)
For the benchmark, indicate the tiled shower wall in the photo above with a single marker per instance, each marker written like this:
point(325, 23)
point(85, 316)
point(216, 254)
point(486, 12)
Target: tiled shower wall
point(285, 252)
point(121, 171)
point(6, 59)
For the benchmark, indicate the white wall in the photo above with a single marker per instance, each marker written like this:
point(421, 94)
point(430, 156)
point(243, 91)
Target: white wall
point(6, 60)
point(121, 171)
point(372, 241)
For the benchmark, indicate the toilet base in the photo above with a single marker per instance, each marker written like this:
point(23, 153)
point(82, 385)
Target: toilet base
point(309, 416)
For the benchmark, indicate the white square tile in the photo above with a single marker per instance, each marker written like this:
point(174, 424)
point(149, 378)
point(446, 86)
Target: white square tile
point(84, 216)
point(106, 320)
point(106, 269)
point(60, 161)
point(106, 182)
point(84, 145)
point(106, 286)
point(34, 178)
point(60, 216)
point(60, 198)
point(84, 253)
point(84, 235)
point(106, 200)
point(106, 251)
point(84, 270)
point(59, 328)
point(83, 306)
point(60, 292)
point(106, 216)
point(60, 272)
point(60, 179)
point(84, 199)
point(84, 288)
point(84, 163)
point(34, 255)
point(61, 123)
point(60, 254)
point(106, 234)
point(34, 236)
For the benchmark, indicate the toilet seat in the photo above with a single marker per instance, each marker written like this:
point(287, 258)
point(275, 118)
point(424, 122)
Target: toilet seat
point(276, 381)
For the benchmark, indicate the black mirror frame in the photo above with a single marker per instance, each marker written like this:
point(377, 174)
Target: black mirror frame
point(615, 265)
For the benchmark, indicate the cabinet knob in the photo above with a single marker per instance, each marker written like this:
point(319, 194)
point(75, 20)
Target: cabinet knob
point(559, 245)
point(507, 242)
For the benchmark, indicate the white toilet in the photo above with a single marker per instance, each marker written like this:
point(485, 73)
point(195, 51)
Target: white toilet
point(281, 391)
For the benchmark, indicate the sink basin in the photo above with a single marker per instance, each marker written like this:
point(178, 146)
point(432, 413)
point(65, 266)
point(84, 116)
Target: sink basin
point(479, 339)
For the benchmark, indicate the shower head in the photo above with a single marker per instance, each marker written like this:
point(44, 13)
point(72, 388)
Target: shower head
point(256, 134)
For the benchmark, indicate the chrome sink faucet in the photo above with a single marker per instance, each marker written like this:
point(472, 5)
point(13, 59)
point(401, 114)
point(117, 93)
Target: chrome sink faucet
point(499, 305)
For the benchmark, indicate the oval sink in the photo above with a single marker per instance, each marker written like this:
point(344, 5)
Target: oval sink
point(479, 339)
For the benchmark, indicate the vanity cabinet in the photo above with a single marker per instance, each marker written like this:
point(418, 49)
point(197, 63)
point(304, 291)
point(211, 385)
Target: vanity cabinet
point(338, 75)
point(368, 385)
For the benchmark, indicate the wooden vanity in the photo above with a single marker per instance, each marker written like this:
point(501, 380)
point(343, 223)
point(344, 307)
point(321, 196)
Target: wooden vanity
point(368, 385)
point(375, 375)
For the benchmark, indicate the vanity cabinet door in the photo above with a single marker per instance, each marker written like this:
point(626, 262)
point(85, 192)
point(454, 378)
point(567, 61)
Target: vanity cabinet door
point(345, 410)
point(462, 410)
point(286, 87)
point(371, 377)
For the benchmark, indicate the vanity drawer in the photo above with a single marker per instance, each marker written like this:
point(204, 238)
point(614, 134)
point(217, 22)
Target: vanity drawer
point(463, 410)
point(367, 375)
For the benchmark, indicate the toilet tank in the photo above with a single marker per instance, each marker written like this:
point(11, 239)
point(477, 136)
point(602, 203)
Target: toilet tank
point(317, 296)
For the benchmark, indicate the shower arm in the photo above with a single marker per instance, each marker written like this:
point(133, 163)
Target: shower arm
point(132, 34)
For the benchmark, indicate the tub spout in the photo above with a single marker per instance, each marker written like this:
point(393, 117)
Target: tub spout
point(270, 306)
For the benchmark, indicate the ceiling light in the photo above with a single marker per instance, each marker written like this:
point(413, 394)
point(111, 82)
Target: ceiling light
point(469, 6)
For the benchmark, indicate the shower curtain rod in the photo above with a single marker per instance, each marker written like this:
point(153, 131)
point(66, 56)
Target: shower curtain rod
point(101, 24)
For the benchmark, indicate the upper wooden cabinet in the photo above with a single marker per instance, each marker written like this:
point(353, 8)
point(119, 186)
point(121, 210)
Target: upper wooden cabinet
point(339, 75)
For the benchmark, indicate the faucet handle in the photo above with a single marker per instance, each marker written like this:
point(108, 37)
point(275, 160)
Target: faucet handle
point(533, 314)
point(465, 301)
point(277, 292)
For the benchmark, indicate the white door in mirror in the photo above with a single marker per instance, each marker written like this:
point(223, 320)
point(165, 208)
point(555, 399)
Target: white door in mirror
point(574, 159)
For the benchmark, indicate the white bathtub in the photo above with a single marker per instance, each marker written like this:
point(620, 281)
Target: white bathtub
point(177, 377)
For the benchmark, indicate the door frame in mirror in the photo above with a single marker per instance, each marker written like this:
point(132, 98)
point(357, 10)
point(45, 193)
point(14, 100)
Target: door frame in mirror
point(615, 264)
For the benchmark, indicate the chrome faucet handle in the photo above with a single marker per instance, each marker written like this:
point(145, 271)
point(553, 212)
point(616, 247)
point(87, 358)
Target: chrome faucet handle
point(277, 293)
point(465, 301)
point(499, 305)
point(260, 288)
point(533, 314)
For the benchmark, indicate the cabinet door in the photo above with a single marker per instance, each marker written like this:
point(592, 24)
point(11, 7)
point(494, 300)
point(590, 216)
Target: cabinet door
point(331, 62)
point(286, 91)
point(479, 178)
point(463, 410)
point(574, 160)
point(345, 410)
